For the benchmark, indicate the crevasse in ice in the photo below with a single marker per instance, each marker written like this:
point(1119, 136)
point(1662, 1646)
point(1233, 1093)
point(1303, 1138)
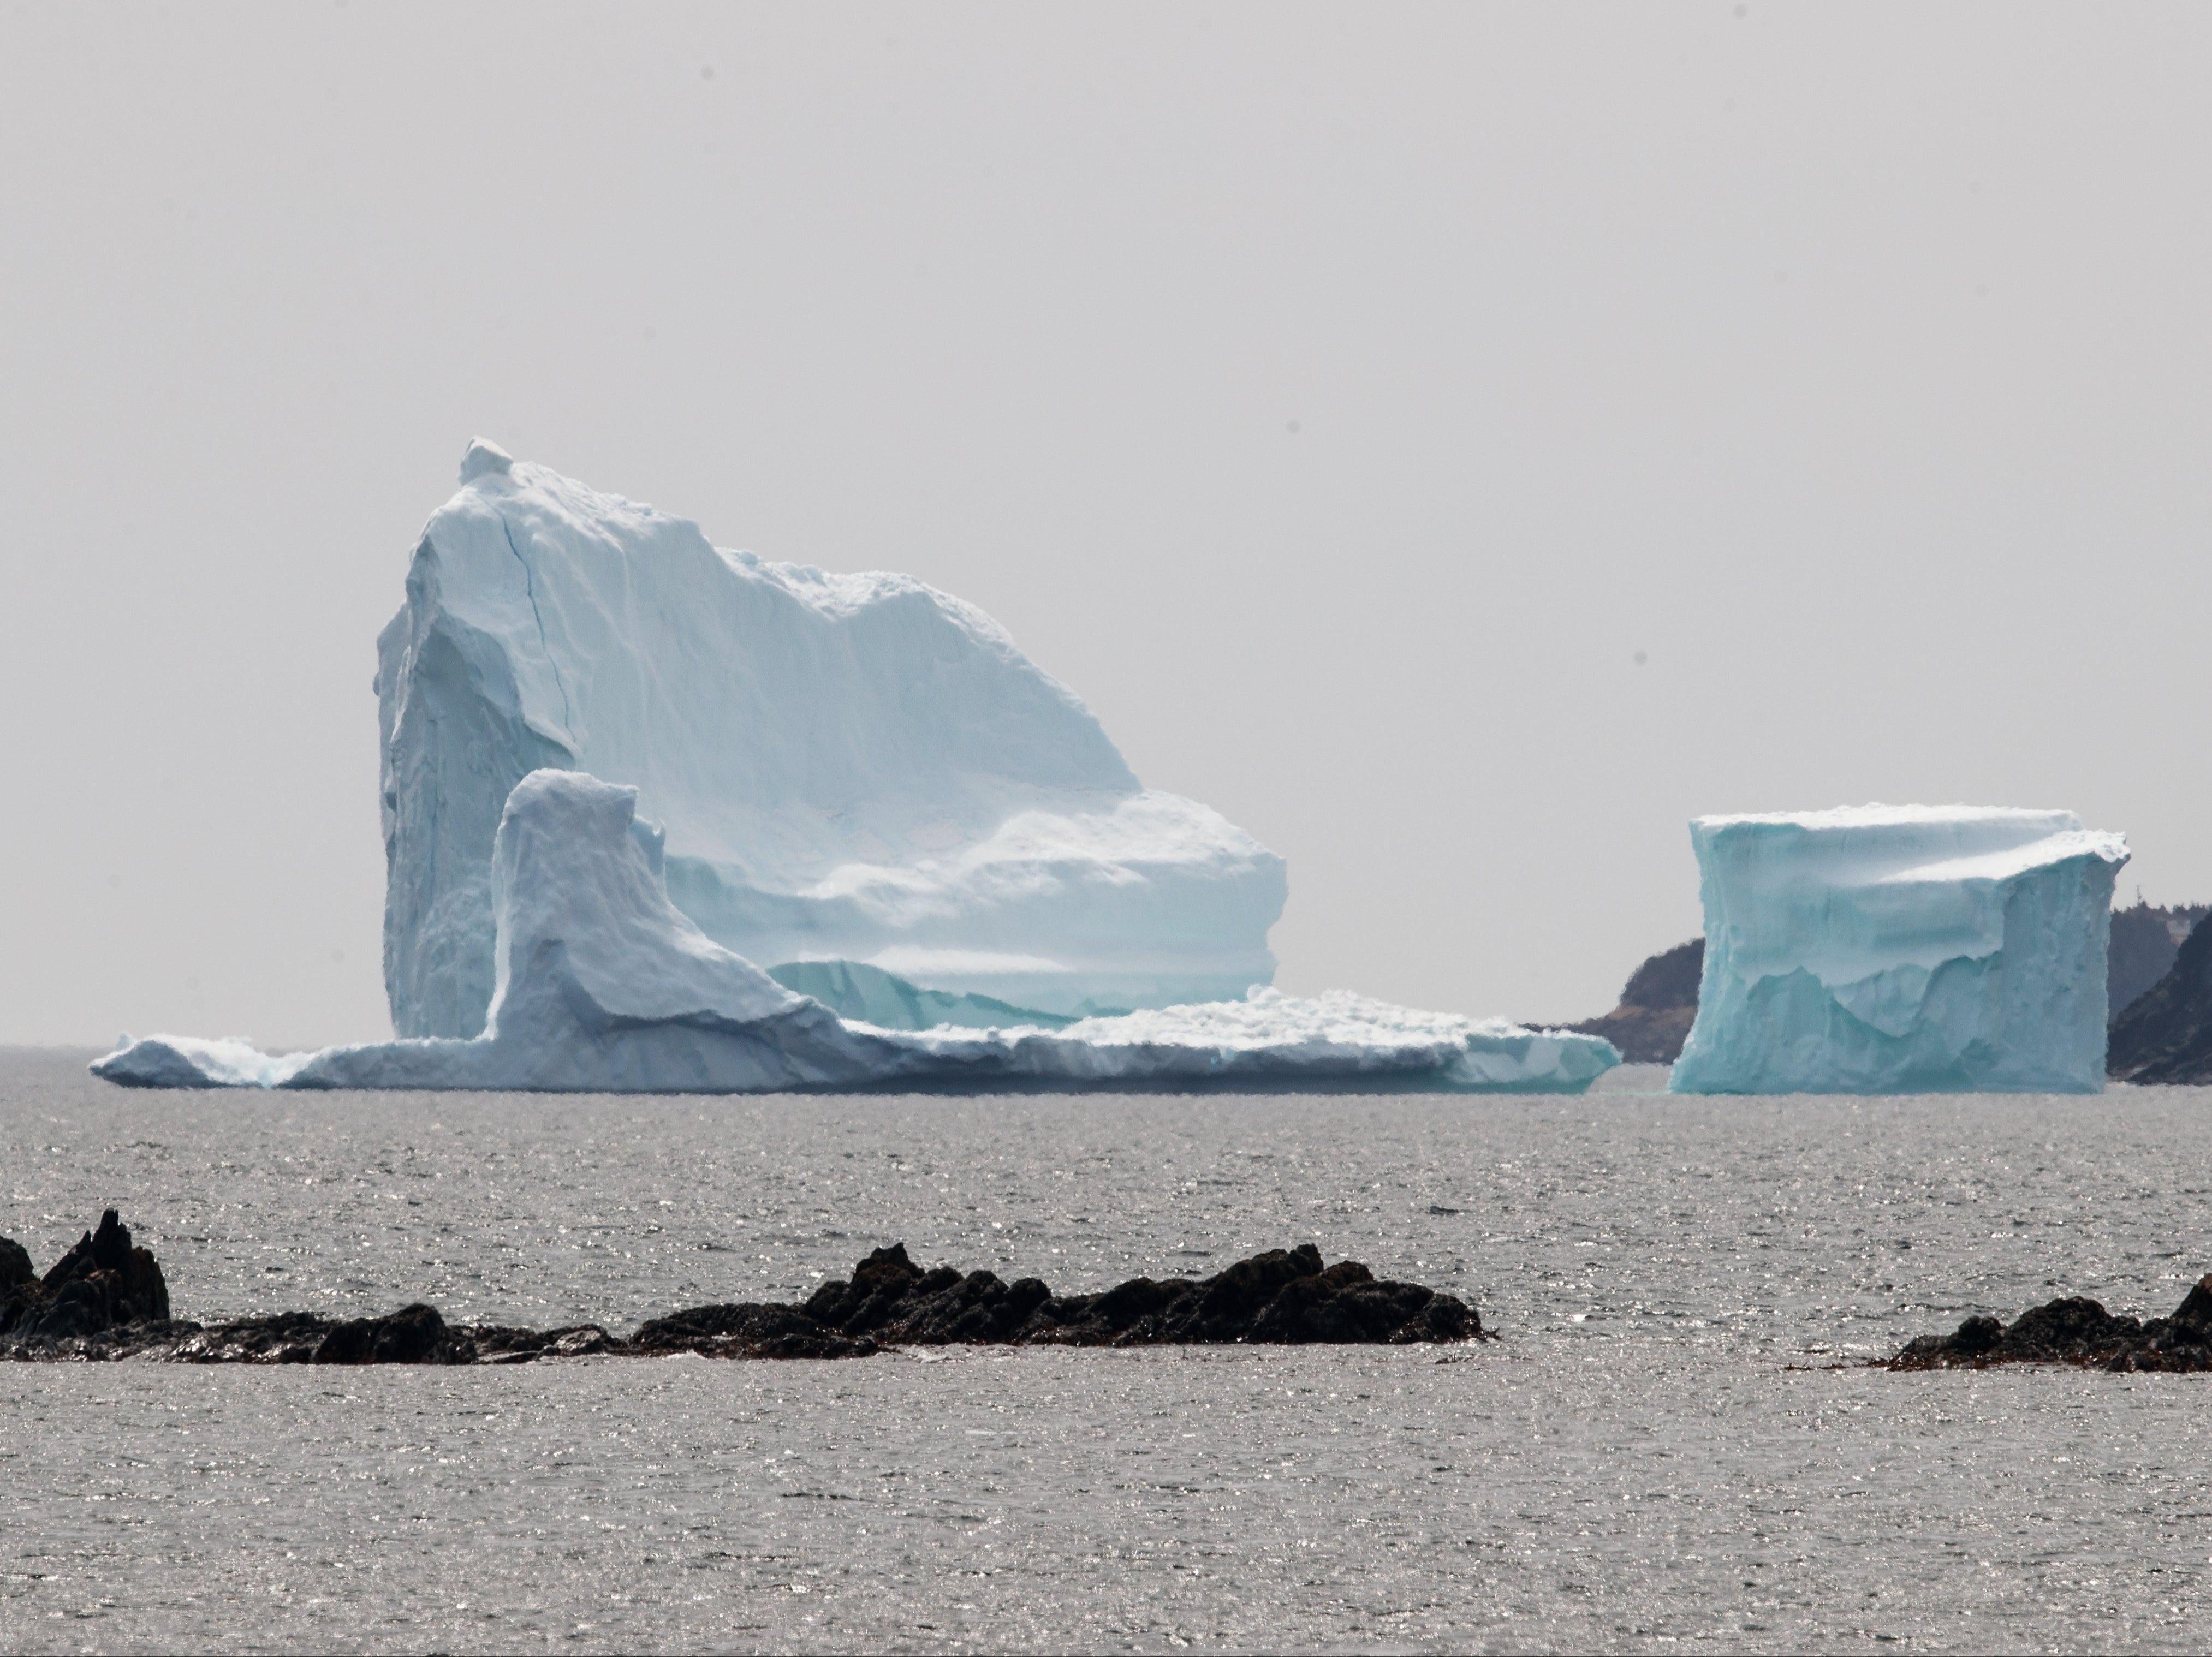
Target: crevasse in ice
point(1899, 950)
point(844, 766)
point(601, 984)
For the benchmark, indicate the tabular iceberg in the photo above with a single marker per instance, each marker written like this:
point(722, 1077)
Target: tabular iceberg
point(602, 985)
point(854, 766)
point(1901, 950)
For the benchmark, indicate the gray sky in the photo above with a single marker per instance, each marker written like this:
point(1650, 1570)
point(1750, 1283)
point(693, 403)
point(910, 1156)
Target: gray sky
point(1460, 443)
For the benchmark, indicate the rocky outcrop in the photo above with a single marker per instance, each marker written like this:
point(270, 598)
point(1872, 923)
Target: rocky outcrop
point(1656, 1009)
point(2075, 1331)
point(413, 1334)
point(285, 1338)
point(104, 1282)
point(749, 1329)
point(416, 1334)
point(1284, 1297)
point(2166, 1034)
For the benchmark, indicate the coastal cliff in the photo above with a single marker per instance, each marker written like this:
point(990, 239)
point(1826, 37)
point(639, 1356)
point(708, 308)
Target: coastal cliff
point(1657, 1007)
point(2165, 1035)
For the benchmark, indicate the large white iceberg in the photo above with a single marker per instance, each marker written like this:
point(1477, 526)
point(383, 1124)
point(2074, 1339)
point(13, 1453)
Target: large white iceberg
point(1904, 948)
point(602, 985)
point(845, 766)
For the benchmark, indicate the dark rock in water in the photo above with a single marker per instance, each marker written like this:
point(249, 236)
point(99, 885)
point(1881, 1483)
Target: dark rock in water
point(1657, 1007)
point(102, 1283)
point(2166, 1034)
point(413, 1334)
point(106, 1299)
point(416, 1334)
point(491, 1343)
point(2075, 1331)
point(748, 1329)
point(287, 1337)
point(1286, 1297)
point(127, 1274)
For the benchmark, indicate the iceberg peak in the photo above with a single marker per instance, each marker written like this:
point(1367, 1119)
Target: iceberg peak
point(484, 456)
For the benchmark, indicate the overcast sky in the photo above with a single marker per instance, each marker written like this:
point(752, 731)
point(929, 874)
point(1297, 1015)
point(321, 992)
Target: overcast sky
point(1460, 443)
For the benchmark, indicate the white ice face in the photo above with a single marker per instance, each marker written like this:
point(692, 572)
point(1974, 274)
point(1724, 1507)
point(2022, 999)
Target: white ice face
point(604, 986)
point(1902, 949)
point(846, 767)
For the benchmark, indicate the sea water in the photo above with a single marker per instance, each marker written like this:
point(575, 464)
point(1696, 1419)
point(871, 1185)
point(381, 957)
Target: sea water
point(1676, 1437)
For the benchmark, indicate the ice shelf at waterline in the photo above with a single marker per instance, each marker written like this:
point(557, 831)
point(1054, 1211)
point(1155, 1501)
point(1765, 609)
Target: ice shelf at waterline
point(1902, 948)
point(604, 986)
point(846, 767)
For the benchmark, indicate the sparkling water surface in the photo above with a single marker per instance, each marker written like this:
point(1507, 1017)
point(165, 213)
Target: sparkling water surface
point(1656, 1452)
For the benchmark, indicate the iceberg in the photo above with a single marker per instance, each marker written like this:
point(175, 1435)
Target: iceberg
point(1908, 949)
point(840, 768)
point(602, 984)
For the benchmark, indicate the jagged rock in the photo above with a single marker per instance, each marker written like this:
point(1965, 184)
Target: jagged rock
point(1286, 1297)
point(2075, 1331)
point(127, 1274)
point(1283, 1297)
point(2166, 1035)
point(15, 1263)
point(102, 1283)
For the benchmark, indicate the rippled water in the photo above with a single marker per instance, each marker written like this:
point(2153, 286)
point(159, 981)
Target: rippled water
point(1653, 1453)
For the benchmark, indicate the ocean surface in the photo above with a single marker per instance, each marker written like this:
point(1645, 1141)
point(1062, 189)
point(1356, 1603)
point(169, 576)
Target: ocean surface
point(1675, 1441)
